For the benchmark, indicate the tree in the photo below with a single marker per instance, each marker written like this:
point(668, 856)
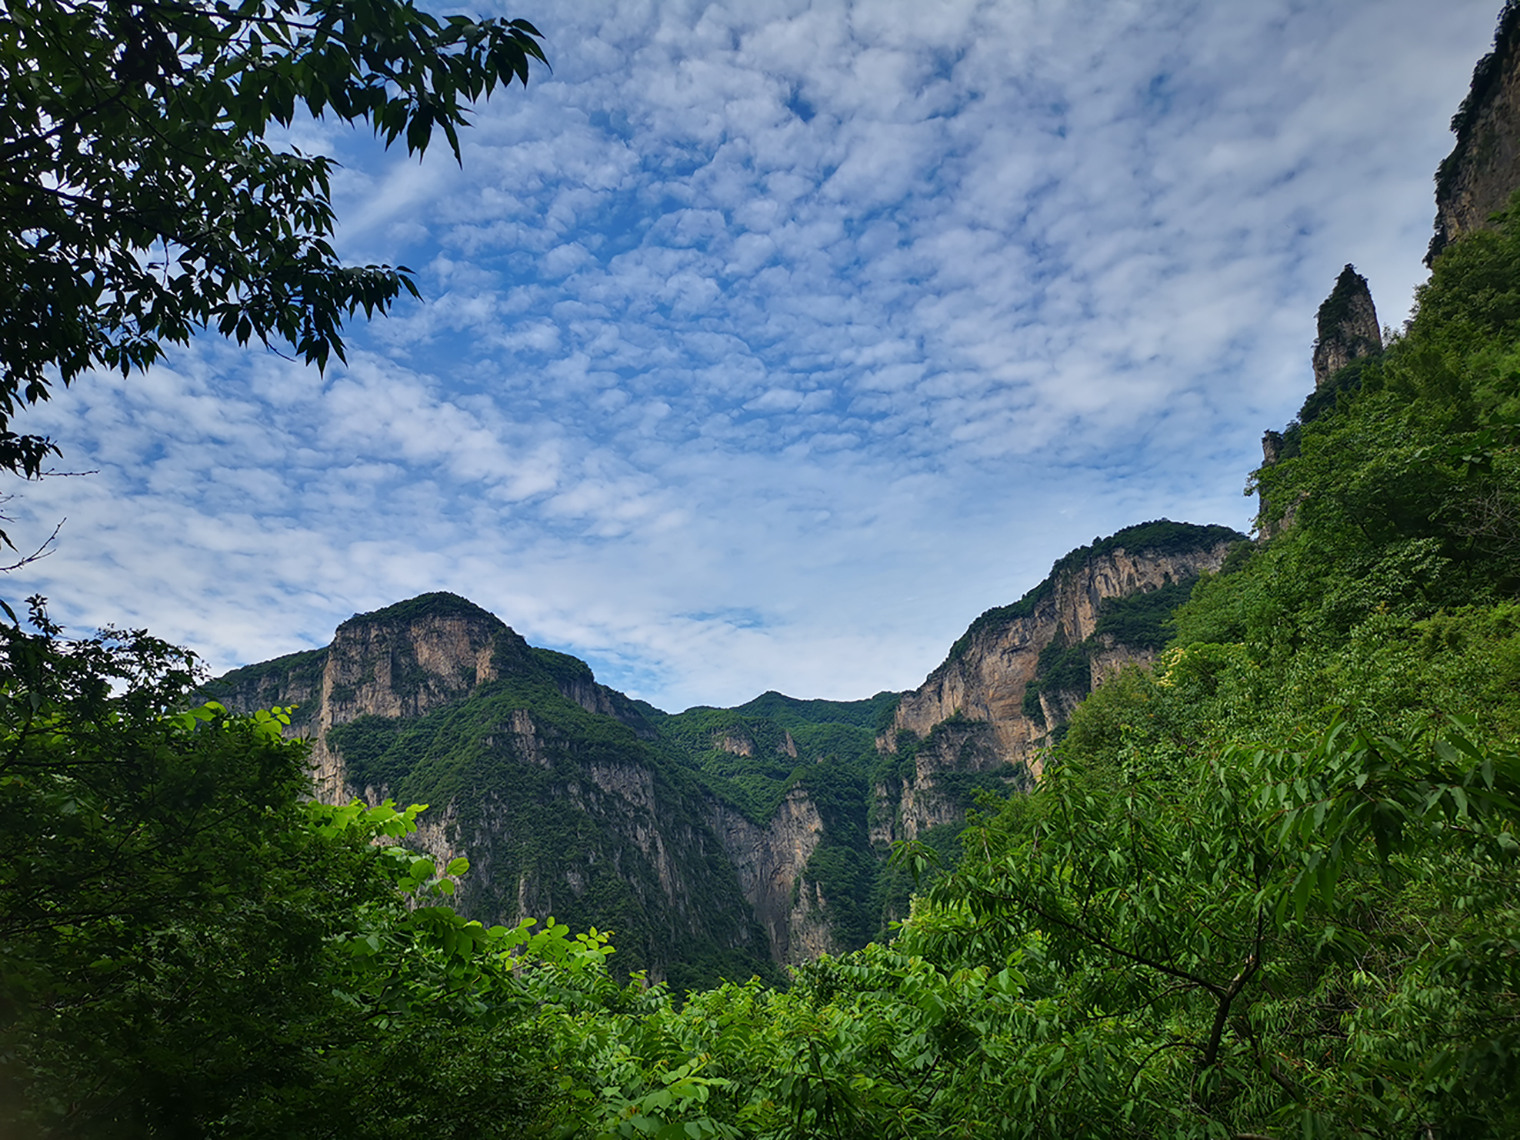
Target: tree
point(140, 198)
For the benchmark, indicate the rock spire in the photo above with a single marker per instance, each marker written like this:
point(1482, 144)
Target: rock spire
point(1348, 326)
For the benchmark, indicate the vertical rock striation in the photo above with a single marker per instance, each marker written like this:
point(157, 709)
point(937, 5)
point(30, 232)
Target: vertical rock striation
point(1018, 671)
point(770, 861)
point(545, 779)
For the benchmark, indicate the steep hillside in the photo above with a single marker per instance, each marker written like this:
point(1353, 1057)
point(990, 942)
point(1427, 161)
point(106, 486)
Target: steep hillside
point(795, 775)
point(549, 782)
point(1012, 679)
point(1483, 168)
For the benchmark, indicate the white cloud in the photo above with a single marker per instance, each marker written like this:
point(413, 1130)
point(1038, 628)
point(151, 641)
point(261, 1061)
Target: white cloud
point(766, 345)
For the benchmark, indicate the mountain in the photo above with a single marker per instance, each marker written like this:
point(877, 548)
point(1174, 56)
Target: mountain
point(1012, 679)
point(553, 785)
point(712, 842)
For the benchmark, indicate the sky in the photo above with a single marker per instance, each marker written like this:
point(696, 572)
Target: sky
point(764, 346)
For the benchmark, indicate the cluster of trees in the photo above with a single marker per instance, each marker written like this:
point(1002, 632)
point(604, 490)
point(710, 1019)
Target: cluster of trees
point(143, 201)
point(190, 946)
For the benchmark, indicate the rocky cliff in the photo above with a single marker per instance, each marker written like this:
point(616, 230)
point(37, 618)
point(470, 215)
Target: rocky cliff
point(1483, 169)
point(1349, 340)
point(714, 841)
point(546, 780)
point(404, 661)
point(1015, 675)
point(770, 861)
point(1347, 325)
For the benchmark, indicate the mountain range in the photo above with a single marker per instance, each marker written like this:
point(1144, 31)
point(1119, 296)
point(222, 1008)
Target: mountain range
point(711, 842)
point(729, 842)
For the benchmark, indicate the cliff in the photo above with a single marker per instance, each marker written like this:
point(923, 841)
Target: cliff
point(549, 782)
point(1348, 340)
point(713, 842)
point(1013, 678)
point(404, 661)
point(1347, 326)
point(770, 861)
point(1483, 169)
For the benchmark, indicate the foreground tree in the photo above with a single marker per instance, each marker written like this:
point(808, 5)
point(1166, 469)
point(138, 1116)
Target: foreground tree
point(140, 199)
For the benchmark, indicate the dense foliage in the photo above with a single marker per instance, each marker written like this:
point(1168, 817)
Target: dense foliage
point(1266, 889)
point(188, 947)
point(547, 851)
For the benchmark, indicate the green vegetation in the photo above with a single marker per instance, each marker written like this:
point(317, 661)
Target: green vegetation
point(189, 948)
point(1265, 890)
point(1143, 620)
point(555, 811)
point(745, 757)
point(438, 604)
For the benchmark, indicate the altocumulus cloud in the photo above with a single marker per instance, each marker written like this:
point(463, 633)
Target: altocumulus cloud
point(766, 345)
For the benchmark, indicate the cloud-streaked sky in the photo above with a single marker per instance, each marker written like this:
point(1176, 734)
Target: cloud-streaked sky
point(764, 346)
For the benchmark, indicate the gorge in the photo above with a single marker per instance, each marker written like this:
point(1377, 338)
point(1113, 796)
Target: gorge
point(711, 841)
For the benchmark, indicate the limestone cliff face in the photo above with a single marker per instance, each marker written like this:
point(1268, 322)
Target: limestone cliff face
point(975, 713)
point(559, 812)
point(919, 799)
point(1111, 657)
point(1483, 169)
point(770, 861)
point(402, 661)
point(569, 802)
point(403, 667)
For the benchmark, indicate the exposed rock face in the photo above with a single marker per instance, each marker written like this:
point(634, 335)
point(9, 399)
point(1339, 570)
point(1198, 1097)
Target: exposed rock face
point(919, 800)
point(1111, 657)
point(404, 667)
point(558, 812)
point(403, 661)
point(737, 742)
point(1348, 326)
point(1483, 169)
point(568, 802)
point(1272, 445)
point(769, 862)
point(972, 713)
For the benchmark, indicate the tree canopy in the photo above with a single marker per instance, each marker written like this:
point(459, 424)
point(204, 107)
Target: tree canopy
point(141, 198)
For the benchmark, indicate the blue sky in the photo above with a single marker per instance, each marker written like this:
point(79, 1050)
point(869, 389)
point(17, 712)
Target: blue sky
point(765, 346)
